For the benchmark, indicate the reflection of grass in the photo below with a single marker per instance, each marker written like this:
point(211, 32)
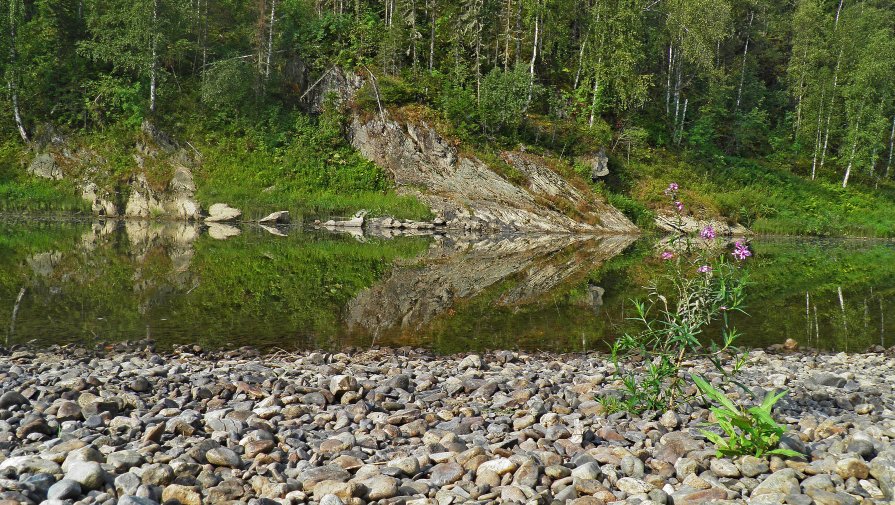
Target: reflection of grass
point(248, 290)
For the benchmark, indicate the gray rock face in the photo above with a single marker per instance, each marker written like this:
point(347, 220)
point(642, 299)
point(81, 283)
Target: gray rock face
point(465, 190)
point(599, 165)
point(44, 165)
point(176, 201)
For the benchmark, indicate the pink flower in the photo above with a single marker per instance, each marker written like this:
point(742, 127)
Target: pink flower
point(704, 269)
point(679, 206)
point(708, 233)
point(667, 255)
point(741, 251)
point(671, 189)
point(722, 308)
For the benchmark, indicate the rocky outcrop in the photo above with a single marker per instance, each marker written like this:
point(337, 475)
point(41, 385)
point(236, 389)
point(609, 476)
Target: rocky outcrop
point(691, 225)
point(456, 269)
point(59, 159)
point(469, 194)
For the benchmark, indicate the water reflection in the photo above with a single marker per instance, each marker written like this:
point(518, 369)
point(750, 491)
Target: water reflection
point(292, 287)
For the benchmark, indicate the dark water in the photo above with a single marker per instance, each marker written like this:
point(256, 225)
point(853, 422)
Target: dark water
point(301, 288)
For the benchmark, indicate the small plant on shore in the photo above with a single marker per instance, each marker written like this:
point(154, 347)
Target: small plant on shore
point(750, 431)
point(702, 287)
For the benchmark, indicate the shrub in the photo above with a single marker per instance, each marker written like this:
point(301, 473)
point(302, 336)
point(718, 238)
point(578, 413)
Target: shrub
point(750, 430)
point(503, 99)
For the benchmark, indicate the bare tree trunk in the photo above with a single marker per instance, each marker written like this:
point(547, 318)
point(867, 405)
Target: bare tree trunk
point(580, 60)
point(153, 81)
point(680, 128)
point(823, 152)
point(668, 83)
point(273, 10)
point(851, 159)
point(507, 37)
point(593, 100)
point(12, 81)
point(801, 93)
point(891, 145)
point(432, 38)
point(817, 135)
point(478, 56)
point(534, 56)
point(745, 53)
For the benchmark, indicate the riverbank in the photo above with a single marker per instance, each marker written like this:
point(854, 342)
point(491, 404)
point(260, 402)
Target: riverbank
point(403, 426)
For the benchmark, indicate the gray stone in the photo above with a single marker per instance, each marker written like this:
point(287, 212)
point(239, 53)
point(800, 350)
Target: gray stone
point(780, 482)
point(828, 379)
point(587, 471)
point(443, 474)
point(122, 461)
point(222, 456)
point(724, 468)
point(127, 484)
point(219, 212)
point(135, 500)
point(89, 474)
point(64, 489)
point(12, 399)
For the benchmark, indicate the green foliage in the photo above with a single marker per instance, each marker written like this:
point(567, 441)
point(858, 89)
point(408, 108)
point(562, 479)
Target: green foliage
point(751, 430)
point(227, 85)
point(503, 99)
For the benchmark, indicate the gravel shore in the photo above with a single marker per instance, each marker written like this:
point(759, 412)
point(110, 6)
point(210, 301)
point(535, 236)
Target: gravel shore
point(133, 426)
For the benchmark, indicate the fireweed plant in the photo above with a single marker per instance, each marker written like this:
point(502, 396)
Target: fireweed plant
point(704, 284)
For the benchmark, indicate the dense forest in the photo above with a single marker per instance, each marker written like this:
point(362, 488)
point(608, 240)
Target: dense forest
point(808, 85)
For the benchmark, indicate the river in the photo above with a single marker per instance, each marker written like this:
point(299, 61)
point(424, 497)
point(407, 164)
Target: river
point(298, 288)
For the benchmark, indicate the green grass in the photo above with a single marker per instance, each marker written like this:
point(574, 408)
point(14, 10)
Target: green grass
point(766, 198)
point(22, 193)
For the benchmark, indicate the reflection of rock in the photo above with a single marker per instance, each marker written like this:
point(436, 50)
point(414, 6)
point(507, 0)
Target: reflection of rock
point(595, 297)
point(97, 234)
point(355, 222)
point(43, 264)
point(220, 212)
point(221, 231)
point(278, 217)
point(412, 295)
point(273, 230)
point(689, 224)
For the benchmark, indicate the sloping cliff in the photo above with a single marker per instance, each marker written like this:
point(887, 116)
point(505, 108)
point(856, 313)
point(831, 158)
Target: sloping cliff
point(469, 194)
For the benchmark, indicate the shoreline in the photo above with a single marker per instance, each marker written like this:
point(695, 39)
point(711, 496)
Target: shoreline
point(129, 425)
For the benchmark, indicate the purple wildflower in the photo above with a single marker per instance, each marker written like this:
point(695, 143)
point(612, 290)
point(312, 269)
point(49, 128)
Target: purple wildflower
point(671, 189)
point(679, 206)
point(741, 251)
point(667, 255)
point(708, 233)
point(704, 269)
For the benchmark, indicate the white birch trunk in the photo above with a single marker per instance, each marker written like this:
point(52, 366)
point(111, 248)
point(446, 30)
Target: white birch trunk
point(12, 81)
point(534, 56)
point(680, 128)
point(823, 153)
point(891, 145)
point(273, 10)
point(593, 100)
point(745, 53)
point(153, 84)
point(668, 83)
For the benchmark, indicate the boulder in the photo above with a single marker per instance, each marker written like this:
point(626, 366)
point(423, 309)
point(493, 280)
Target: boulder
point(221, 212)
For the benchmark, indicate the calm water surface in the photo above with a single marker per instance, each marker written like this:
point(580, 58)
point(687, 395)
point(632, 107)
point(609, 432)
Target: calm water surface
point(301, 288)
